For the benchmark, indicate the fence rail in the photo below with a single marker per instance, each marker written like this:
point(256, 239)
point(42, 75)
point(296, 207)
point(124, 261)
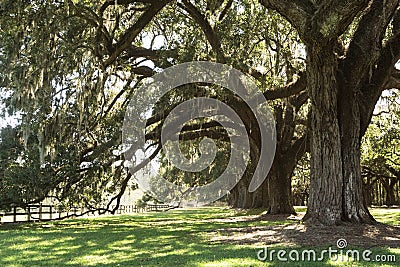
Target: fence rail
point(50, 212)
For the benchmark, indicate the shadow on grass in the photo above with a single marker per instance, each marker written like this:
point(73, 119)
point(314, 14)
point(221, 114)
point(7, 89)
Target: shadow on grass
point(176, 238)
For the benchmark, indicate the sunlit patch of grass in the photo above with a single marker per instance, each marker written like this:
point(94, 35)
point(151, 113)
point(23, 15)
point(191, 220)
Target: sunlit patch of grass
point(300, 208)
point(174, 238)
point(386, 215)
point(251, 212)
point(229, 262)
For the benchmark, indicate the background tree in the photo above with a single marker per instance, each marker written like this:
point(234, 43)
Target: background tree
point(247, 37)
point(90, 62)
point(380, 153)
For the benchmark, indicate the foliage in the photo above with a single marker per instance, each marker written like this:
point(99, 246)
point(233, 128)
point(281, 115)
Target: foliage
point(22, 179)
point(67, 100)
point(301, 181)
point(70, 67)
point(381, 148)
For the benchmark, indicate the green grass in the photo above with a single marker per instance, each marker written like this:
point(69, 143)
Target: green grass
point(388, 216)
point(173, 238)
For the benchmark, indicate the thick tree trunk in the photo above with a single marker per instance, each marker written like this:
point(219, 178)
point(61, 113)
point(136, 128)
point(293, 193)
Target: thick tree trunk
point(336, 188)
point(275, 193)
point(368, 192)
point(390, 199)
point(280, 187)
point(354, 206)
point(325, 202)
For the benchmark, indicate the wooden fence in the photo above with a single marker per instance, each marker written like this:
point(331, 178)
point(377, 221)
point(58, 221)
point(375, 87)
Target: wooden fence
point(50, 212)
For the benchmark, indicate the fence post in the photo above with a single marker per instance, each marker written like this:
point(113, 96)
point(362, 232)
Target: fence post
point(28, 213)
point(51, 212)
point(40, 212)
point(15, 214)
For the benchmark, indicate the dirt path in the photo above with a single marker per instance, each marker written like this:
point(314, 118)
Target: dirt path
point(297, 234)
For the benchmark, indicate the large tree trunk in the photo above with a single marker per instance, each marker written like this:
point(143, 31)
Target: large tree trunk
point(354, 206)
point(240, 197)
point(276, 191)
point(325, 202)
point(336, 188)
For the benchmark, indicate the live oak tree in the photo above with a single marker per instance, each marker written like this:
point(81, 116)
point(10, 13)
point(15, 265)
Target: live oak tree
point(344, 83)
point(244, 40)
point(58, 63)
point(72, 66)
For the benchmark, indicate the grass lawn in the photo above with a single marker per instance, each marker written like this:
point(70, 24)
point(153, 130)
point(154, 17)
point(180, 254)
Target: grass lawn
point(174, 238)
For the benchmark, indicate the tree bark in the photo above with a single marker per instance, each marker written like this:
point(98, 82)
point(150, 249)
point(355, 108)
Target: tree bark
point(354, 206)
point(241, 198)
point(336, 188)
point(390, 199)
point(280, 187)
point(276, 191)
point(325, 202)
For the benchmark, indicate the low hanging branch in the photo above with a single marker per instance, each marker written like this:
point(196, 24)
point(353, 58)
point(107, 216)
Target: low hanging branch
point(125, 182)
point(288, 90)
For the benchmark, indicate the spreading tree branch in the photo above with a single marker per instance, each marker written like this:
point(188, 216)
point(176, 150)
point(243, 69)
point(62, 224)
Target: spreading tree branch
point(225, 10)
point(108, 3)
point(332, 17)
point(381, 74)
point(297, 12)
point(131, 33)
point(365, 46)
point(208, 31)
point(125, 182)
point(288, 90)
point(394, 80)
